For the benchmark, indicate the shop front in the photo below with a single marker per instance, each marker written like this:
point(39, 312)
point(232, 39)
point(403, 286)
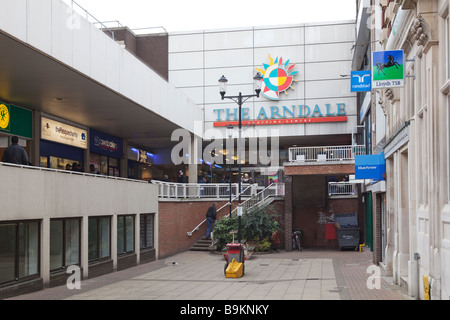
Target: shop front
point(62, 146)
point(15, 121)
point(105, 154)
point(140, 164)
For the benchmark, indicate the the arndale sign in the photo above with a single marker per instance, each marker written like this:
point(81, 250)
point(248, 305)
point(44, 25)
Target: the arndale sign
point(296, 114)
point(278, 77)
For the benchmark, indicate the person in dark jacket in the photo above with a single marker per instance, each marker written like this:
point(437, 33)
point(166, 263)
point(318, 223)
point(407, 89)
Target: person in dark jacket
point(211, 215)
point(15, 153)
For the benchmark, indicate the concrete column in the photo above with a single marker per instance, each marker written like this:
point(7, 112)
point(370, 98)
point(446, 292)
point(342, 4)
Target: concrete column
point(288, 212)
point(194, 155)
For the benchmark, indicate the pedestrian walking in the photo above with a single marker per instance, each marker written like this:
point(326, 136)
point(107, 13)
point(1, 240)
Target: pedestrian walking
point(211, 216)
point(15, 153)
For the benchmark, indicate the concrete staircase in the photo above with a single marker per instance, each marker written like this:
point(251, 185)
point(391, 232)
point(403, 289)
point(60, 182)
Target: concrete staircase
point(204, 244)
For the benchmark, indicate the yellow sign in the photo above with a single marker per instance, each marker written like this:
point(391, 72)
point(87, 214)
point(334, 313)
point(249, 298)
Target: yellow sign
point(4, 117)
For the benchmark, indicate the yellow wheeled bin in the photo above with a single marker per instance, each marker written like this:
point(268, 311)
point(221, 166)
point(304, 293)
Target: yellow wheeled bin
point(235, 259)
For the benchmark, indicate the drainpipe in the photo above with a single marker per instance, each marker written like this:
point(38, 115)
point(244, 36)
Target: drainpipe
point(415, 276)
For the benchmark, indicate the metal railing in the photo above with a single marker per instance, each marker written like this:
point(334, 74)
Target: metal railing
point(342, 189)
point(325, 154)
point(274, 190)
point(172, 190)
point(78, 173)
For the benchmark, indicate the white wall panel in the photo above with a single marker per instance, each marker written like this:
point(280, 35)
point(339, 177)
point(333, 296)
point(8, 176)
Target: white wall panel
point(113, 57)
point(62, 36)
point(295, 54)
point(237, 75)
point(330, 88)
point(328, 70)
point(329, 33)
point(229, 40)
point(98, 55)
point(39, 24)
point(186, 42)
point(13, 18)
point(279, 37)
point(186, 78)
point(81, 47)
point(228, 58)
point(186, 60)
point(328, 52)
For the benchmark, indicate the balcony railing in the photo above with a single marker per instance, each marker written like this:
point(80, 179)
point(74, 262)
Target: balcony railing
point(172, 190)
point(325, 154)
point(342, 189)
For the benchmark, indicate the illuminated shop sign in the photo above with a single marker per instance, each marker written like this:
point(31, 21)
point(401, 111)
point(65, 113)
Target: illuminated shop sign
point(63, 133)
point(274, 115)
point(105, 144)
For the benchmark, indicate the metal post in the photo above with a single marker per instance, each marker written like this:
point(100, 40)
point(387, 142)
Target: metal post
point(239, 165)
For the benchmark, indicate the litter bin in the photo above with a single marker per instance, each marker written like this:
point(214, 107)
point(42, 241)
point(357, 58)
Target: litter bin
point(348, 238)
point(235, 252)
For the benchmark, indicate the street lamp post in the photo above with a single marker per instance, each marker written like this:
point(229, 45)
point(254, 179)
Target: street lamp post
point(240, 99)
point(230, 130)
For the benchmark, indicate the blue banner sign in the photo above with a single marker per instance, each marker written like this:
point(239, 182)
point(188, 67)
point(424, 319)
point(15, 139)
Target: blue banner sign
point(370, 166)
point(360, 81)
point(107, 145)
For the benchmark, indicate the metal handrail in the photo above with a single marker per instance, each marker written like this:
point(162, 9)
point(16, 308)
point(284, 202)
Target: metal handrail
point(5, 164)
point(261, 196)
point(326, 153)
point(173, 190)
point(218, 210)
point(341, 189)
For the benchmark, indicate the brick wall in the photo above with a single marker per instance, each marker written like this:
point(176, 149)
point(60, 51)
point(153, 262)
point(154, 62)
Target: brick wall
point(178, 218)
point(312, 220)
point(319, 169)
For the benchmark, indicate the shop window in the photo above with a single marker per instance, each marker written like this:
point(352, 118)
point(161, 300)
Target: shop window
point(19, 251)
point(147, 230)
point(64, 243)
point(99, 238)
point(125, 234)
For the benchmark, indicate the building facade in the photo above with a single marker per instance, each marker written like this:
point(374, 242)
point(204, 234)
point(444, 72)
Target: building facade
point(410, 125)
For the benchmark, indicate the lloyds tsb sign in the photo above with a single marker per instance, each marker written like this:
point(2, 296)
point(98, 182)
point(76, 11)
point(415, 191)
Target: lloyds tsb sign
point(283, 114)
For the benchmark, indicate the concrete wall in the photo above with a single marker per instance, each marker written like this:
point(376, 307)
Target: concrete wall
point(43, 194)
point(320, 52)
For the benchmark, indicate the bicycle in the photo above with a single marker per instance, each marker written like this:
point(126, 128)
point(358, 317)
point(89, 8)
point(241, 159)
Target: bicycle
point(296, 240)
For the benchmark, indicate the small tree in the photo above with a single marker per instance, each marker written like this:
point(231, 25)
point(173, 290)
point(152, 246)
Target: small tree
point(257, 226)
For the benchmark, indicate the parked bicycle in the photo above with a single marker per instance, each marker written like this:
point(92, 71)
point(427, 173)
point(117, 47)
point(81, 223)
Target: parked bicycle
point(297, 240)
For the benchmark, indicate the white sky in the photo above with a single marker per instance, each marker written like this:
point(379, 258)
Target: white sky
point(192, 15)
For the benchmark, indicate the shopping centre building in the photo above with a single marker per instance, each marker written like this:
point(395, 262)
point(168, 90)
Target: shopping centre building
point(140, 107)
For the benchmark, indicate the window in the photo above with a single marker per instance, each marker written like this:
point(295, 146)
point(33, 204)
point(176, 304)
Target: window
point(99, 238)
point(147, 231)
point(125, 234)
point(19, 251)
point(64, 243)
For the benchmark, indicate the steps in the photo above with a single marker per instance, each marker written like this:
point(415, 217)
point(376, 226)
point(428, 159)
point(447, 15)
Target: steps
point(204, 244)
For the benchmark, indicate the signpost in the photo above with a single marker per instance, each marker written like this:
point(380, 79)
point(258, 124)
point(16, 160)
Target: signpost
point(388, 69)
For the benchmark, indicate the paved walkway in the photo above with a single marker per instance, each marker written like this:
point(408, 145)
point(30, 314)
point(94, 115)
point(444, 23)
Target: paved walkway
point(306, 275)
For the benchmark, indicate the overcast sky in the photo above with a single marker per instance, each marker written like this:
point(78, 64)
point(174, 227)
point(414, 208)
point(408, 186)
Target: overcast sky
point(191, 15)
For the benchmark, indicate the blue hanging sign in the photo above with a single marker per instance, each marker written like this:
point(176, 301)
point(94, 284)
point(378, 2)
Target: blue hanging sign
point(360, 81)
point(370, 166)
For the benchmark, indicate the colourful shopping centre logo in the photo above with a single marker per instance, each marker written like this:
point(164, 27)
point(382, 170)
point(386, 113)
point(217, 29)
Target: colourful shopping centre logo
point(278, 77)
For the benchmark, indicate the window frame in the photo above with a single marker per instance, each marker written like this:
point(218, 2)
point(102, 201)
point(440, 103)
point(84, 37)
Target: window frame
point(64, 249)
point(17, 276)
point(99, 239)
point(143, 223)
point(124, 234)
